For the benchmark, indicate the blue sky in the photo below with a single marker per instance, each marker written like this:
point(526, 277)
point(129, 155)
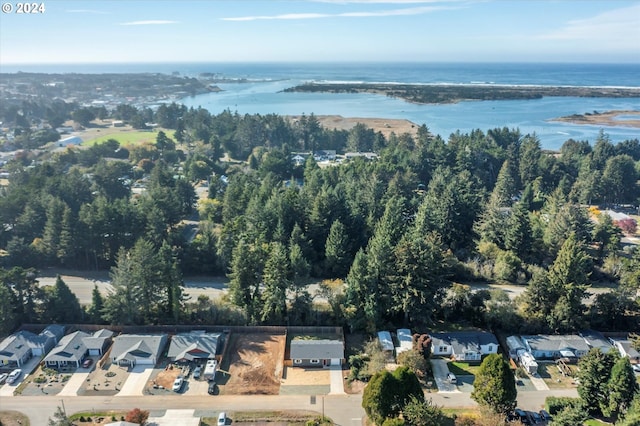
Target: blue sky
point(96, 31)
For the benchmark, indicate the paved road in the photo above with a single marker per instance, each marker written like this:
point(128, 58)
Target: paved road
point(345, 410)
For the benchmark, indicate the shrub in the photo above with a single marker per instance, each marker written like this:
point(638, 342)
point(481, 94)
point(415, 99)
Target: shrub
point(628, 226)
point(555, 404)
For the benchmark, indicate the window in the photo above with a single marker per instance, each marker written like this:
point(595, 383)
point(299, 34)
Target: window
point(442, 349)
point(314, 361)
point(297, 361)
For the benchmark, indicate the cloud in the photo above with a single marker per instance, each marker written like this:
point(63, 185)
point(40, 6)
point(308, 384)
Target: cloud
point(392, 12)
point(618, 24)
point(157, 22)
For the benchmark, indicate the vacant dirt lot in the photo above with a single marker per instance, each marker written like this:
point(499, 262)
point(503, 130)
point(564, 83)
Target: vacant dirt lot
point(384, 125)
point(305, 376)
point(254, 365)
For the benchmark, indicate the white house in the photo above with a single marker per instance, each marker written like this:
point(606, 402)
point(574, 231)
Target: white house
point(625, 347)
point(464, 345)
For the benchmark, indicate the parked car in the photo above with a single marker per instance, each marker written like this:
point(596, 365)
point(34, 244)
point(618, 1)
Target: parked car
point(212, 388)
point(87, 363)
point(522, 416)
point(196, 372)
point(451, 378)
point(545, 415)
point(177, 384)
point(222, 419)
point(13, 376)
point(636, 368)
point(3, 377)
point(535, 417)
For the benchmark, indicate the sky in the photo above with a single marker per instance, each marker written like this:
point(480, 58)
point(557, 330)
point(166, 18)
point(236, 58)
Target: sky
point(161, 31)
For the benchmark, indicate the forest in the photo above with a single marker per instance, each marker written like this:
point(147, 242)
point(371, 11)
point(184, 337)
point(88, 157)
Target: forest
point(391, 242)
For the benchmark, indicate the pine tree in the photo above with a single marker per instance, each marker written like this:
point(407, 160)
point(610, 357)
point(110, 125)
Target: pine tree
point(495, 386)
point(276, 283)
point(337, 258)
point(594, 372)
point(569, 277)
point(97, 306)
point(623, 387)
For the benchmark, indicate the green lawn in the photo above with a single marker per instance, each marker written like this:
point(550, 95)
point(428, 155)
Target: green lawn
point(128, 137)
point(463, 368)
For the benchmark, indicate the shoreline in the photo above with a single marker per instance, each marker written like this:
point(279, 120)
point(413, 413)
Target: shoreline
point(455, 93)
point(607, 118)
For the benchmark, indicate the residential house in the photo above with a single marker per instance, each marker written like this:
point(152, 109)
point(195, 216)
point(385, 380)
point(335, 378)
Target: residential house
point(194, 346)
point(132, 349)
point(21, 346)
point(625, 347)
point(98, 342)
point(464, 345)
point(546, 346)
point(69, 352)
point(515, 346)
point(405, 340)
point(316, 353)
point(595, 339)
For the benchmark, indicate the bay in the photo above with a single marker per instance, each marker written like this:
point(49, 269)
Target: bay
point(259, 90)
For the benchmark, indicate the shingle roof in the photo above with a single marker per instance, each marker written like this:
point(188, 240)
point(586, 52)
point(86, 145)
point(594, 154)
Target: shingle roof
point(555, 343)
point(139, 345)
point(461, 341)
point(70, 348)
point(316, 349)
point(98, 339)
point(194, 346)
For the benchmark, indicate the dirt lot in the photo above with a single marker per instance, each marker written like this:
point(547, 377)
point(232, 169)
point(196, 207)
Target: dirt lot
point(305, 376)
point(252, 365)
point(384, 125)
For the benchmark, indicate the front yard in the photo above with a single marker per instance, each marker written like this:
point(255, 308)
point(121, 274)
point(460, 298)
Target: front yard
point(549, 372)
point(460, 368)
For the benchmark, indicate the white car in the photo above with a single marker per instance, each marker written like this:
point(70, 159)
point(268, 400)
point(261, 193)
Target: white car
point(13, 376)
point(196, 372)
point(177, 384)
point(451, 378)
point(636, 368)
point(222, 419)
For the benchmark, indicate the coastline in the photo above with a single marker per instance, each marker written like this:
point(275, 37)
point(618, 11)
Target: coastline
point(614, 118)
point(386, 126)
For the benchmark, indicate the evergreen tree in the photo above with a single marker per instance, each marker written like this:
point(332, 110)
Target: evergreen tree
point(7, 310)
point(361, 293)
point(506, 187)
point(97, 306)
point(569, 278)
point(594, 372)
point(623, 388)
point(423, 413)
point(244, 279)
point(337, 257)
point(518, 236)
point(418, 279)
point(494, 385)
point(63, 305)
point(276, 283)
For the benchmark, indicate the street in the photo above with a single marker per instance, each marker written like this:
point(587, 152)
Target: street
point(345, 410)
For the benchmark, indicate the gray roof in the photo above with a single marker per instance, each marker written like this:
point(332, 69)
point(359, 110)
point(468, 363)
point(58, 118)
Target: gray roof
point(462, 341)
point(70, 348)
point(18, 344)
point(385, 340)
point(98, 339)
point(54, 330)
point(138, 345)
point(595, 339)
point(316, 349)
point(192, 346)
point(628, 348)
point(556, 343)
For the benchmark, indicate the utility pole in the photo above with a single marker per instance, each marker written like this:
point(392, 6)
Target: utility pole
point(64, 410)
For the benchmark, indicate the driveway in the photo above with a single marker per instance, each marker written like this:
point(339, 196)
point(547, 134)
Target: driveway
point(175, 418)
point(337, 385)
point(75, 382)
point(440, 371)
point(137, 381)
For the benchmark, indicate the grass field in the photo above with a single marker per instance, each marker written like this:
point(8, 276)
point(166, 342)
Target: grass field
point(124, 135)
point(463, 369)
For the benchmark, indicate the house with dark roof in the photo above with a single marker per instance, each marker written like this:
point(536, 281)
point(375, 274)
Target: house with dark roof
point(69, 352)
point(595, 339)
point(98, 342)
point(194, 346)
point(316, 352)
point(20, 347)
point(545, 346)
point(133, 349)
point(625, 347)
point(464, 345)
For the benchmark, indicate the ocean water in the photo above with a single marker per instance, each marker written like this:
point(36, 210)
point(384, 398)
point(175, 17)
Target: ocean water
point(261, 92)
